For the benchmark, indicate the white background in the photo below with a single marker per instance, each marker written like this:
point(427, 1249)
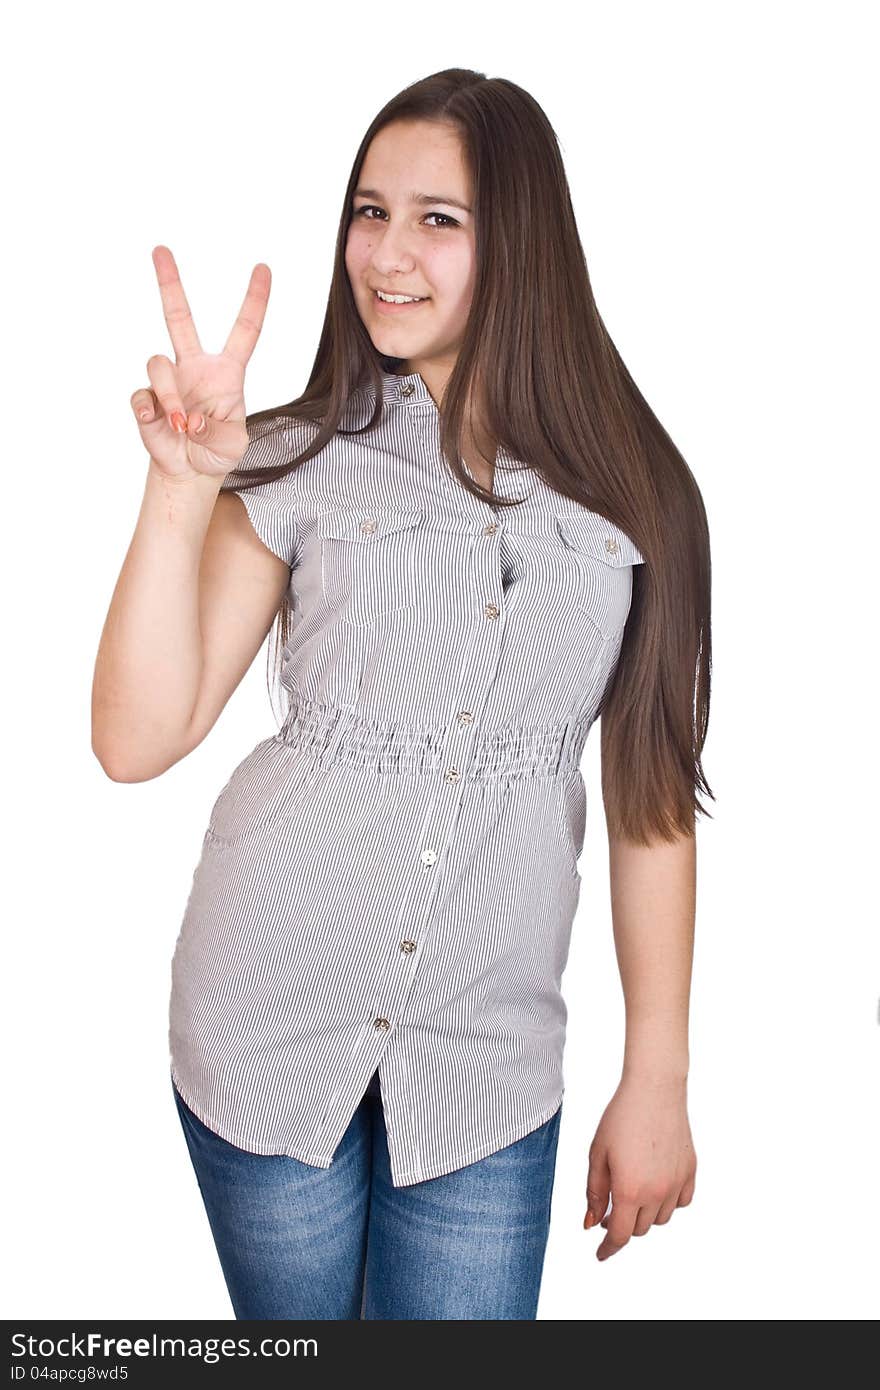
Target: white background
point(720, 160)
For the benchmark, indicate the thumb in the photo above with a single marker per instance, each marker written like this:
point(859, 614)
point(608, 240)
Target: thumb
point(226, 439)
point(198, 426)
point(598, 1189)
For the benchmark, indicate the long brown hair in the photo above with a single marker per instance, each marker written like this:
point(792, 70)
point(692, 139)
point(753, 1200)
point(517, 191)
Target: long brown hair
point(554, 393)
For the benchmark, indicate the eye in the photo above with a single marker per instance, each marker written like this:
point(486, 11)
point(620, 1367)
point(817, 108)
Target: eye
point(371, 207)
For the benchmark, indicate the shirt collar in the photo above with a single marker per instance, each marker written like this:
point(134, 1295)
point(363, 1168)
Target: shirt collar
point(406, 390)
point(512, 478)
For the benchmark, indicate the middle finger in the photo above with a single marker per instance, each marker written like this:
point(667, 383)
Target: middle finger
point(645, 1220)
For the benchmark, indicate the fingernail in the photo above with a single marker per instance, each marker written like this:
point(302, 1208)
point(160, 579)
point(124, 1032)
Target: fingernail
point(199, 429)
point(589, 1220)
point(178, 421)
point(143, 414)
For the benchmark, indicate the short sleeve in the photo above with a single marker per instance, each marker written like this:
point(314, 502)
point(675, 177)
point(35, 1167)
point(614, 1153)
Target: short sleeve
point(271, 505)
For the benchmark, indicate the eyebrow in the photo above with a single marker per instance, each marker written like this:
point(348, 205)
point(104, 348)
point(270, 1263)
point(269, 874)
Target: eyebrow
point(422, 199)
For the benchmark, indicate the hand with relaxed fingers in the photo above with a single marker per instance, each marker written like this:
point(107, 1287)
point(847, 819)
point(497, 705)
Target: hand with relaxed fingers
point(192, 415)
point(642, 1159)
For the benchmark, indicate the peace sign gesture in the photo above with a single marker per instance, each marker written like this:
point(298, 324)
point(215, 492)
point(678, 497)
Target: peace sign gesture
point(192, 416)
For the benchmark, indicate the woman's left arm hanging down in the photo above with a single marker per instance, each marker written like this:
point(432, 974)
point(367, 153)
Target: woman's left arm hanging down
point(642, 1156)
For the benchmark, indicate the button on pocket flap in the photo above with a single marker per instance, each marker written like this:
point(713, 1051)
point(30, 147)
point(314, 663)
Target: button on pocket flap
point(594, 535)
point(366, 524)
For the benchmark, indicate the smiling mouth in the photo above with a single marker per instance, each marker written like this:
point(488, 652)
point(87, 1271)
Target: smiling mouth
point(398, 301)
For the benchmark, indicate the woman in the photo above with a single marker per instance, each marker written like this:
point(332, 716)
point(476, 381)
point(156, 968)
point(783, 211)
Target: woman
point(476, 536)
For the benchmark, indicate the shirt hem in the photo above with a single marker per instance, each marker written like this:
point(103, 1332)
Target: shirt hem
point(235, 1138)
point(442, 1167)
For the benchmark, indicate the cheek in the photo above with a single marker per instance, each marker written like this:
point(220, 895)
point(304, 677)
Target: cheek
point(453, 276)
point(457, 303)
point(357, 252)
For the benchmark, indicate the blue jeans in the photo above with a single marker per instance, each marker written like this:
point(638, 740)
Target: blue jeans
point(300, 1242)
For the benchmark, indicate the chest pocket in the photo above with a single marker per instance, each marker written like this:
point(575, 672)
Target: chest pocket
point(369, 561)
point(597, 560)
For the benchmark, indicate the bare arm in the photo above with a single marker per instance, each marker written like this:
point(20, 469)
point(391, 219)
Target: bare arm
point(195, 598)
point(642, 1157)
point(653, 902)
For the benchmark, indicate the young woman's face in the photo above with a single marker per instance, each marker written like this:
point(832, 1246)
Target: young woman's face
point(411, 233)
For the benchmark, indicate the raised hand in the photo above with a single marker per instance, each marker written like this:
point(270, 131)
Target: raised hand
point(192, 416)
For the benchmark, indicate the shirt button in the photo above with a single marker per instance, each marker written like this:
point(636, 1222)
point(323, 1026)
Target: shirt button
point(408, 947)
point(451, 774)
point(381, 1024)
point(491, 610)
point(465, 717)
point(611, 545)
point(407, 388)
point(429, 856)
point(369, 525)
point(490, 529)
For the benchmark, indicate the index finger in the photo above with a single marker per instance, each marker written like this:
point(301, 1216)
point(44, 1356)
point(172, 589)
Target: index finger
point(181, 328)
point(246, 330)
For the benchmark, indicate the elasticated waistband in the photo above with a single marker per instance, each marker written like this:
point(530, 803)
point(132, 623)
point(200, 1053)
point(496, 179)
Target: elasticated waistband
point(331, 734)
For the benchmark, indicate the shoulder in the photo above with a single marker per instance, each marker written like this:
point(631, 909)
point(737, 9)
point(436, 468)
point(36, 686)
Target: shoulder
point(275, 440)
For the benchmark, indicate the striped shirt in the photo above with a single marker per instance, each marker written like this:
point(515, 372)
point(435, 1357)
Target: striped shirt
point(389, 882)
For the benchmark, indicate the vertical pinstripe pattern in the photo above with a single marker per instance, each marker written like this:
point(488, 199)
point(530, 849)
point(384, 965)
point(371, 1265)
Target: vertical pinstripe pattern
point(390, 880)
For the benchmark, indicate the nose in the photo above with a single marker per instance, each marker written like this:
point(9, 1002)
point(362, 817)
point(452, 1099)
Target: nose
point(392, 253)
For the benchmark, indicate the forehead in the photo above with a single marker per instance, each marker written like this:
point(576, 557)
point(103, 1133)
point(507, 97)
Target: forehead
point(409, 157)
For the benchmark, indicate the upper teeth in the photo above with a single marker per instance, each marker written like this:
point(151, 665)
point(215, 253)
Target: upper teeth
point(400, 298)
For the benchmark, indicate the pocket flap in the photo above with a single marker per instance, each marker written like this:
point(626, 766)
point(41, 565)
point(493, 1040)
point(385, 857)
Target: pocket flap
point(365, 524)
point(596, 536)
